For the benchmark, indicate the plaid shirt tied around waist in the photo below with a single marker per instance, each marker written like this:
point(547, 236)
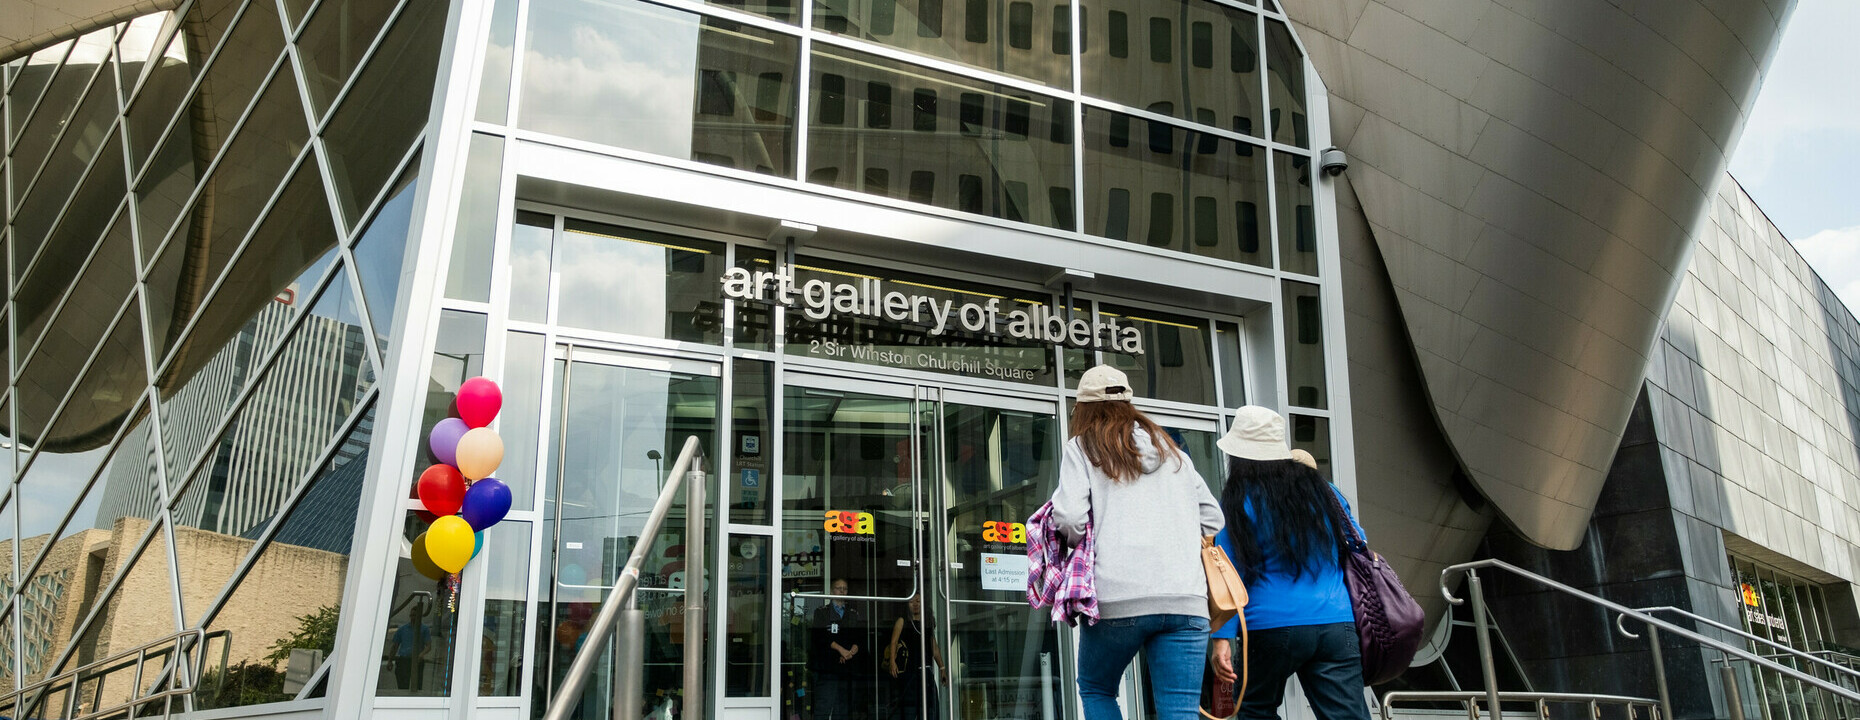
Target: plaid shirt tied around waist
point(1060, 577)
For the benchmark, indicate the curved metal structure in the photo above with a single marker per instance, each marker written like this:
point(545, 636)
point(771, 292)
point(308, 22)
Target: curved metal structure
point(1531, 175)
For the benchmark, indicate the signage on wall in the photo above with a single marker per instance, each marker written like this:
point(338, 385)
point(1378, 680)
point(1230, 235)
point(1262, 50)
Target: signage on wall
point(1004, 571)
point(1750, 595)
point(1759, 618)
point(820, 299)
point(1004, 532)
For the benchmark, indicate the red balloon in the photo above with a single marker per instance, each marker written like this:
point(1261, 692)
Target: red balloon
point(442, 490)
point(478, 401)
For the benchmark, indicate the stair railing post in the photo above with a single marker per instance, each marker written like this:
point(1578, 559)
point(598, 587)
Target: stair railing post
point(694, 594)
point(1659, 673)
point(1733, 695)
point(629, 660)
point(1483, 632)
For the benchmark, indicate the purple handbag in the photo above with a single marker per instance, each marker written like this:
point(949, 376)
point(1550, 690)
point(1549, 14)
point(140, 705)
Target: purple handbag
point(1388, 620)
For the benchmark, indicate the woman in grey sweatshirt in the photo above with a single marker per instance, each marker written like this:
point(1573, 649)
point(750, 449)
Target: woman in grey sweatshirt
point(1123, 475)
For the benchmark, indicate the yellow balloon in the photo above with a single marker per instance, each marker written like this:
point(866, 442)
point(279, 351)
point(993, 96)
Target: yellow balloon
point(422, 562)
point(449, 543)
point(479, 453)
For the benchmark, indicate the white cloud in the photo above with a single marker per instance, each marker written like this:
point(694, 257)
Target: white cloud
point(1835, 255)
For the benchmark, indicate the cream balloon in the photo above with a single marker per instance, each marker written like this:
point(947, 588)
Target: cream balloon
point(479, 453)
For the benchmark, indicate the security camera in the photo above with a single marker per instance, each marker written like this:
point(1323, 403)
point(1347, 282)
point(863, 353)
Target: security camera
point(1333, 162)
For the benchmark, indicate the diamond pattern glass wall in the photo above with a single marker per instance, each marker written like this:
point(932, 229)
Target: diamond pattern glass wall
point(204, 245)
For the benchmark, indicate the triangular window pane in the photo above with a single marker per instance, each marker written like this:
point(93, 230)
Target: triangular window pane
point(278, 436)
point(280, 621)
point(381, 250)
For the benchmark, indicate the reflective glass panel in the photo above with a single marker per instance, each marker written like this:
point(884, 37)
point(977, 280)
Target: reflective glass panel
point(76, 506)
point(1177, 362)
point(649, 78)
point(1170, 187)
point(494, 80)
point(81, 217)
point(1298, 250)
point(1207, 458)
point(279, 622)
point(506, 556)
point(108, 272)
point(332, 45)
point(137, 45)
point(138, 611)
point(746, 617)
point(1192, 59)
point(382, 249)
point(84, 133)
point(1312, 434)
point(998, 467)
point(1286, 84)
point(88, 58)
point(751, 442)
point(29, 84)
point(468, 277)
point(610, 421)
point(519, 420)
point(110, 384)
point(849, 493)
point(532, 247)
point(422, 627)
point(385, 108)
point(1304, 345)
point(755, 322)
point(1227, 355)
point(668, 284)
point(1017, 37)
point(237, 73)
point(160, 96)
point(278, 435)
point(293, 238)
point(968, 145)
point(241, 184)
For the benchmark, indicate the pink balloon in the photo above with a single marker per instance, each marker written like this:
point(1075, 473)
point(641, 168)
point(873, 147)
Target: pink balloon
point(444, 440)
point(479, 400)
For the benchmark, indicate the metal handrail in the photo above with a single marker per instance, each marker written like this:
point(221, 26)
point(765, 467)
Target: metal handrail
point(1541, 699)
point(1695, 617)
point(37, 692)
point(568, 696)
point(1654, 627)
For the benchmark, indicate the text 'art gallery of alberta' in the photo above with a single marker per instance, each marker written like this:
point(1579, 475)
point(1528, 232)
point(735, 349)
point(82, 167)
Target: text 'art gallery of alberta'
point(832, 269)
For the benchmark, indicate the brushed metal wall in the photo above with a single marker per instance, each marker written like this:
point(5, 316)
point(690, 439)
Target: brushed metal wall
point(1531, 172)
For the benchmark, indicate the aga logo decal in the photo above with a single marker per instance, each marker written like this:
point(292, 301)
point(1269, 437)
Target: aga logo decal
point(1004, 532)
point(846, 522)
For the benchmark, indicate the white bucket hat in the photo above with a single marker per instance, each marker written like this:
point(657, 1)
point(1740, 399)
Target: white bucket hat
point(1104, 383)
point(1257, 434)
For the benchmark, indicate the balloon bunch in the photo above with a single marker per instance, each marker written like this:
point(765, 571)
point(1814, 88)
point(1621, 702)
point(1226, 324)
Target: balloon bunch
point(458, 491)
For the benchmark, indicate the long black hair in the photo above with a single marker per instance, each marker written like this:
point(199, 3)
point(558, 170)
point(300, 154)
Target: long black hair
point(1294, 501)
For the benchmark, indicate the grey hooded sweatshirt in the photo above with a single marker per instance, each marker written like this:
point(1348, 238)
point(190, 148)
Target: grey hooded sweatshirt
point(1149, 530)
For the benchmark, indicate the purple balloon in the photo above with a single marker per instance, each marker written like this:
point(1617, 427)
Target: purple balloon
point(444, 442)
point(486, 502)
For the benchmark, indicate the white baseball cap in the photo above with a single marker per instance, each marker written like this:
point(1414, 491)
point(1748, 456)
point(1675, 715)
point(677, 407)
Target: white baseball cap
point(1103, 383)
point(1257, 434)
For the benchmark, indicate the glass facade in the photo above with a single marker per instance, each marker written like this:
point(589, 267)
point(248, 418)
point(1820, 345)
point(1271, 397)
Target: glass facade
point(202, 268)
point(239, 296)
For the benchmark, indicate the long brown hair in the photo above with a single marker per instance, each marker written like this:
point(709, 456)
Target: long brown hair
point(1103, 429)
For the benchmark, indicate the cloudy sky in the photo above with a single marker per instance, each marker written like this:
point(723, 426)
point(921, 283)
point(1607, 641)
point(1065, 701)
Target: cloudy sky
point(1801, 148)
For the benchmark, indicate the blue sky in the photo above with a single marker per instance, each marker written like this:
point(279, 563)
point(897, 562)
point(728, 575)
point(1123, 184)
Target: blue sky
point(1800, 152)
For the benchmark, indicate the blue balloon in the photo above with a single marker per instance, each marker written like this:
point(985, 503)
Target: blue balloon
point(486, 502)
point(477, 543)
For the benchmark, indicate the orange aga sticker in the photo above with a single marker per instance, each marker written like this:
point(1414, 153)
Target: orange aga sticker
point(848, 522)
point(1004, 532)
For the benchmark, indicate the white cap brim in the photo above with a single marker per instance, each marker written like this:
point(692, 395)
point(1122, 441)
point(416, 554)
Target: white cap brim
point(1253, 449)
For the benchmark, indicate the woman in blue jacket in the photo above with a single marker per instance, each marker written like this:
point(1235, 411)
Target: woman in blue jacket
point(1281, 537)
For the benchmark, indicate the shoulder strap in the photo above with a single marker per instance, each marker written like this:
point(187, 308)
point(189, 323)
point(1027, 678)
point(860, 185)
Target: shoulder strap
point(1342, 516)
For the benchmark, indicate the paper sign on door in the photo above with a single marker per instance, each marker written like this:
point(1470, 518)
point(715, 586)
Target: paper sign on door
point(1002, 571)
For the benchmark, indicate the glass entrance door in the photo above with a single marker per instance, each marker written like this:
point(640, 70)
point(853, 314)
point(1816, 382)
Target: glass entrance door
point(904, 554)
point(618, 425)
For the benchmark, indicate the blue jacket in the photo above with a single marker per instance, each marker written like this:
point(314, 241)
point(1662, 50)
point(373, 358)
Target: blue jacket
point(1276, 600)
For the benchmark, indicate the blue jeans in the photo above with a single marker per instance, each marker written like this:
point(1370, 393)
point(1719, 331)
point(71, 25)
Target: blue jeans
point(1175, 646)
point(1327, 660)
